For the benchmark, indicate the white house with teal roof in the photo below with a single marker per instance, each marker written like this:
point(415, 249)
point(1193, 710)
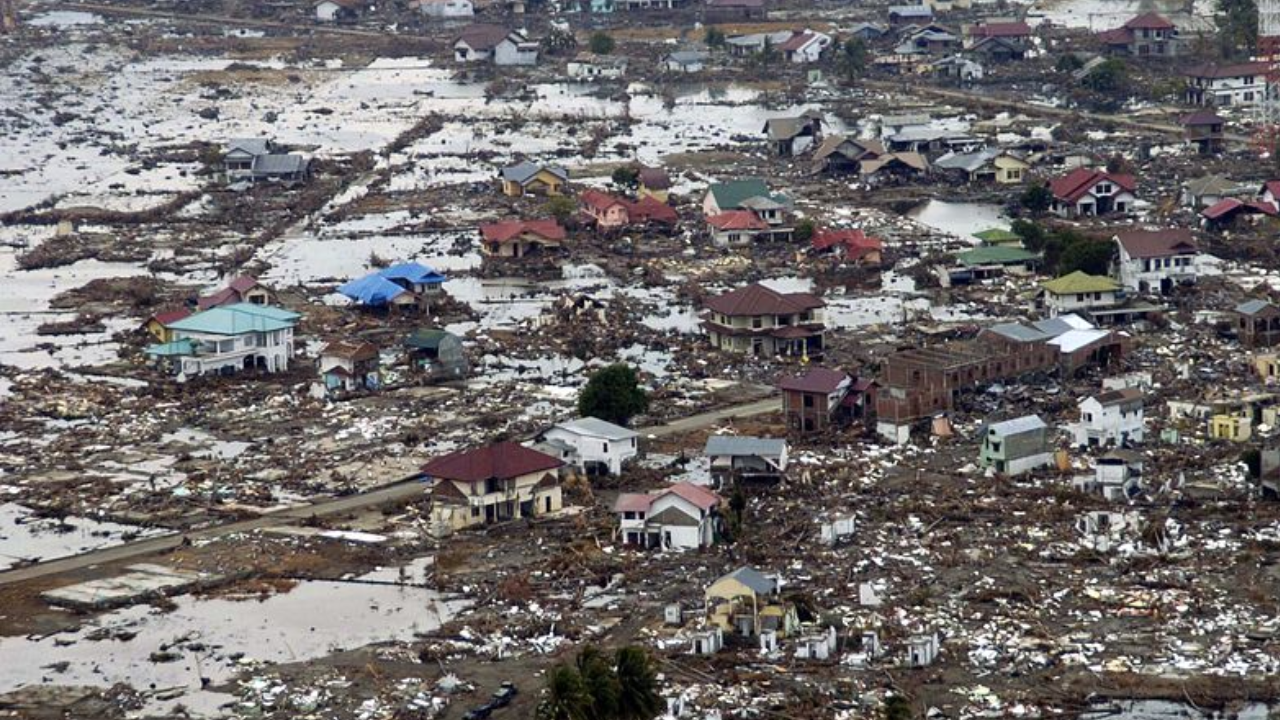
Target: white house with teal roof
point(229, 338)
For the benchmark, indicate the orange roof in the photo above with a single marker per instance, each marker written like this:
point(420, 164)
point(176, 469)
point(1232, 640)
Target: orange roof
point(511, 229)
point(737, 220)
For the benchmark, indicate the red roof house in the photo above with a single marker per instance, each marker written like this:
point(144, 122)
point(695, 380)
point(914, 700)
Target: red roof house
point(241, 289)
point(498, 482)
point(1084, 192)
point(811, 402)
point(1147, 35)
point(519, 238)
point(851, 245)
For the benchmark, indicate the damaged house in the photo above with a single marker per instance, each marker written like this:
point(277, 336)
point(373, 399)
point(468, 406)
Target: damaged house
point(1017, 446)
point(435, 355)
point(608, 212)
point(1257, 323)
point(1147, 35)
point(495, 44)
point(681, 517)
point(591, 445)
point(747, 602)
point(256, 160)
point(496, 483)
point(814, 401)
point(841, 155)
point(349, 366)
point(850, 246)
point(791, 136)
point(987, 165)
point(406, 286)
point(529, 178)
point(243, 289)
point(759, 320)
point(520, 238)
point(744, 460)
point(1113, 418)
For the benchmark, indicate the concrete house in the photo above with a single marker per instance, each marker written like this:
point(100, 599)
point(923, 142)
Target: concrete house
point(229, 338)
point(805, 47)
point(496, 44)
point(850, 245)
point(747, 602)
point(1154, 261)
point(737, 228)
point(1084, 192)
point(1147, 35)
point(1117, 476)
point(1113, 418)
point(842, 155)
point(986, 165)
point(814, 401)
point(1207, 191)
point(1080, 292)
point(158, 324)
point(447, 9)
point(685, 61)
point(495, 483)
point(256, 160)
point(759, 320)
point(1017, 446)
point(242, 289)
point(525, 178)
point(435, 355)
point(681, 517)
point(1257, 323)
point(1204, 130)
point(592, 445)
point(520, 238)
point(1227, 85)
point(349, 366)
point(750, 460)
point(612, 213)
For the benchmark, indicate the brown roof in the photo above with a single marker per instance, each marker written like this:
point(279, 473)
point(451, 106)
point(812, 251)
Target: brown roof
point(1215, 72)
point(1203, 117)
point(655, 178)
point(1156, 243)
point(756, 299)
point(510, 229)
point(1150, 21)
point(599, 200)
point(482, 37)
point(796, 41)
point(1075, 184)
point(350, 350)
point(1118, 397)
point(504, 461)
point(1001, 29)
point(817, 380)
point(170, 316)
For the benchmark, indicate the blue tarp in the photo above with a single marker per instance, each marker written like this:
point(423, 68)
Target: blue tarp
point(373, 290)
point(412, 272)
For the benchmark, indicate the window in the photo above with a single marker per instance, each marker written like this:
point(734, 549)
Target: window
point(808, 401)
point(1079, 297)
point(606, 446)
point(757, 322)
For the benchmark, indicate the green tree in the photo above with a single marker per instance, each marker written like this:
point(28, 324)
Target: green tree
point(1070, 62)
point(639, 697)
point(1237, 22)
point(613, 394)
point(626, 177)
point(852, 60)
point(558, 41)
point(804, 231)
point(565, 697)
point(1036, 199)
point(1033, 236)
point(602, 44)
point(601, 682)
point(896, 707)
point(1085, 254)
point(768, 54)
point(560, 207)
point(714, 37)
point(1110, 76)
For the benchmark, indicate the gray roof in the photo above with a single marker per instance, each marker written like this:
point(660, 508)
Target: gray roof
point(1019, 332)
point(753, 579)
point(911, 10)
point(904, 120)
point(1026, 423)
point(687, 57)
point(1250, 307)
point(740, 445)
point(521, 172)
point(968, 162)
point(1053, 327)
point(785, 128)
point(754, 39)
point(251, 146)
point(279, 164)
point(597, 428)
point(762, 203)
point(1211, 185)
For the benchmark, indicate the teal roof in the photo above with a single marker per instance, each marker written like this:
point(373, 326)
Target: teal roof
point(237, 319)
point(995, 255)
point(730, 195)
point(998, 236)
point(172, 349)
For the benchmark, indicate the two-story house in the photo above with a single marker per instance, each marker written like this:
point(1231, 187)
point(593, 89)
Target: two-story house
point(228, 338)
point(613, 213)
point(495, 483)
point(349, 366)
point(1080, 291)
point(1017, 446)
point(812, 402)
point(1085, 192)
point(759, 320)
point(1113, 418)
point(1225, 85)
point(1153, 261)
point(590, 444)
point(496, 44)
point(1147, 35)
point(683, 516)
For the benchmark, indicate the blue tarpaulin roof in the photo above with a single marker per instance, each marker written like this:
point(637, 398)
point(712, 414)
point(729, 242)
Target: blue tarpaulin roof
point(372, 290)
point(413, 272)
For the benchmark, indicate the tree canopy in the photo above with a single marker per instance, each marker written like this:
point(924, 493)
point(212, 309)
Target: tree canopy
point(613, 394)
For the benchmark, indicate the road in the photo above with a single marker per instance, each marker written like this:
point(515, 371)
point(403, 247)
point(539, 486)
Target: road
point(303, 25)
point(401, 490)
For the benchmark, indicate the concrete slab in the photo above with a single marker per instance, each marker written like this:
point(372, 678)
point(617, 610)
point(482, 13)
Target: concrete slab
point(142, 582)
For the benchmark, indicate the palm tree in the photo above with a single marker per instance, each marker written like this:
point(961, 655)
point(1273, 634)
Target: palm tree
point(566, 696)
point(639, 698)
point(601, 682)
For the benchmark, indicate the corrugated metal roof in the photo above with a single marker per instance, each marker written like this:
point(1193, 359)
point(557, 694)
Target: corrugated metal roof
point(1080, 282)
point(1018, 332)
point(1015, 426)
point(753, 579)
point(237, 319)
point(741, 445)
point(597, 428)
point(1251, 307)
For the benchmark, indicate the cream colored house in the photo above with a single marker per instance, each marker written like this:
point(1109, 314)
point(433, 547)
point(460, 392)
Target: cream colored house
point(492, 484)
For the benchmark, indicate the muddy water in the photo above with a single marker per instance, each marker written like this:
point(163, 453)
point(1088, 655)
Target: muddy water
point(25, 537)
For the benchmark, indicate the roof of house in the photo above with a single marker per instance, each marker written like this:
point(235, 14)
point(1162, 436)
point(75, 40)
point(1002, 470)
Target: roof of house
point(596, 427)
point(1202, 117)
point(817, 380)
point(350, 350)
point(482, 36)
point(1080, 282)
point(372, 290)
point(165, 317)
point(654, 178)
point(1073, 340)
point(736, 3)
point(1271, 186)
point(1026, 423)
point(911, 10)
point(995, 255)
point(523, 172)
point(1077, 183)
point(969, 162)
point(912, 160)
point(598, 200)
point(1253, 307)
point(833, 144)
point(648, 209)
point(1000, 29)
point(753, 579)
point(172, 349)
point(998, 235)
point(730, 195)
point(687, 57)
point(737, 220)
point(511, 229)
point(238, 319)
point(249, 146)
point(698, 495)
point(757, 299)
point(799, 40)
point(1119, 397)
point(412, 272)
point(1217, 72)
point(1210, 185)
point(503, 460)
point(633, 502)
point(233, 291)
point(279, 164)
point(742, 445)
point(1230, 206)
point(852, 239)
point(1156, 243)
point(785, 128)
point(1150, 21)
point(426, 338)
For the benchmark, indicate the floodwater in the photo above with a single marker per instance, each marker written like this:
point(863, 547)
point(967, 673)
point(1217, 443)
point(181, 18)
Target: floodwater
point(25, 537)
point(1164, 710)
point(961, 220)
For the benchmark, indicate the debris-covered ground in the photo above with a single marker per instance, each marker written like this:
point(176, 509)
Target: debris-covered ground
point(257, 544)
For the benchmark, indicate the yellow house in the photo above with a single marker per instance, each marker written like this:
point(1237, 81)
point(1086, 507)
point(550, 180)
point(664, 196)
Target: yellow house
point(654, 183)
point(158, 324)
point(527, 178)
point(1268, 366)
point(744, 601)
point(1010, 169)
point(496, 483)
point(1230, 427)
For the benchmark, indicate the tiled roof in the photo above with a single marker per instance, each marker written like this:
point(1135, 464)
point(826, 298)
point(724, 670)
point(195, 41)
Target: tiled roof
point(737, 220)
point(504, 461)
point(1080, 282)
point(1156, 243)
point(757, 299)
point(817, 380)
point(1077, 183)
point(509, 229)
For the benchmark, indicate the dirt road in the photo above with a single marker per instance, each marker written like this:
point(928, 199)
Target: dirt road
point(399, 491)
